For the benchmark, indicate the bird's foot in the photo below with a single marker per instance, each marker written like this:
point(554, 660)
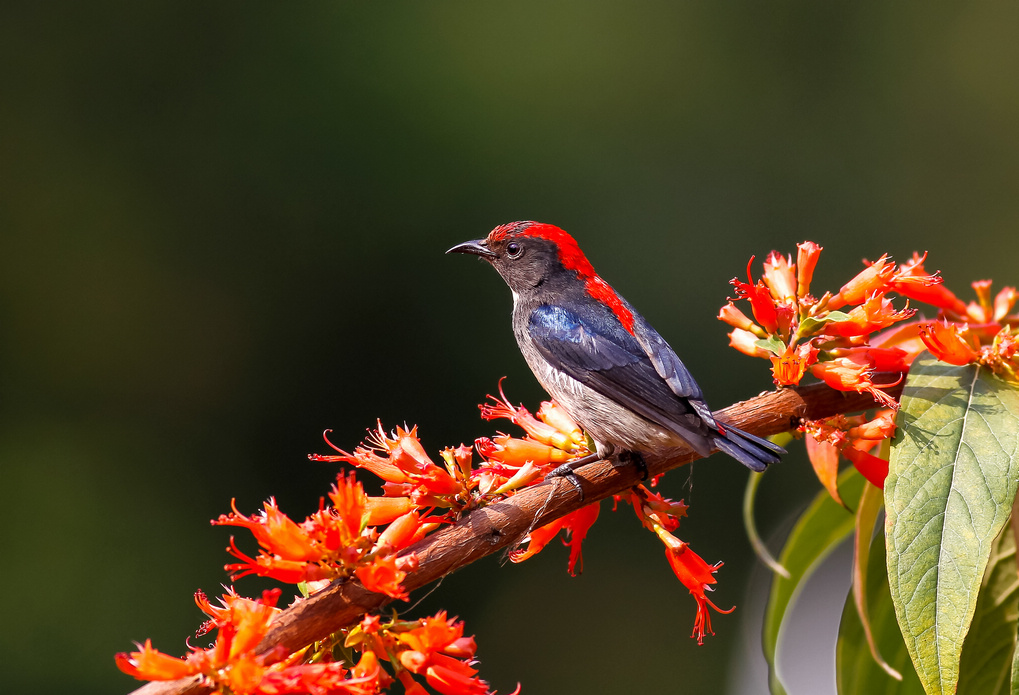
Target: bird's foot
point(637, 460)
point(567, 471)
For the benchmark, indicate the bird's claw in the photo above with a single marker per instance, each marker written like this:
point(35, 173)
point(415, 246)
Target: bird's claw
point(566, 472)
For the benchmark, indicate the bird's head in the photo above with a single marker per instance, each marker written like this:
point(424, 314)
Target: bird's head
point(528, 254)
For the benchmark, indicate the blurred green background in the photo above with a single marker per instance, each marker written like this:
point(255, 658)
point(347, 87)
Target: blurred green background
point(222, 229)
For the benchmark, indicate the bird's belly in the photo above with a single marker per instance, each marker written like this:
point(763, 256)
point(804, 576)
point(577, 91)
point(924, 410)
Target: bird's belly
point(603, 419)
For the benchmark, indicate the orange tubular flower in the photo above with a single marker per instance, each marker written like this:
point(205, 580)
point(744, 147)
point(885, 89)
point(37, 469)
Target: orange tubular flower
point(760, 300)
point(553, 414)
point(871, 467)
point(401, 532)
point(287, 571)
point(697, 576)
point(1003, 302)
point(516, 452)
point(351, 505)
point(576, 524)
point(874, 314)
point(914, 282)
point(383, 577)
point(150, 664)
point(824, 458)
point(452, 677)
point(875, 278)
point(790, 367)
point(806, 260)
point(881, 426)
point(945, 343)
point(981, 311)
point(535, 428)
point(382, 510)
point(746, 342)
point(275, 532)
point(230, 662)
point(889, 359)
point(846, 375)
point(737, 319)
point(780, 277)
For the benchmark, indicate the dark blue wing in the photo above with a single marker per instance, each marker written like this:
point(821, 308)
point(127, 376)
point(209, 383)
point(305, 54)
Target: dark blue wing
point(604, 357)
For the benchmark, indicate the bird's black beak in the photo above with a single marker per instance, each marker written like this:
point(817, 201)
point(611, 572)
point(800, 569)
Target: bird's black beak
point(478, 247)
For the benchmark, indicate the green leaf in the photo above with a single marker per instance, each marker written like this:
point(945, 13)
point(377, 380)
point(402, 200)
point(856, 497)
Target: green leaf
point(856, 672)
point(811, 324)
point(817, 532)
point(867, 512)
point(771, 344)
point(986, 663)
point(951, 482)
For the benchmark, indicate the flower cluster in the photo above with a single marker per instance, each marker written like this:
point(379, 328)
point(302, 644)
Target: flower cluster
point(799, 333)
point(434, 648)
point(232, 665)
point(337, 541)
point(853, 437)
point(413, 480)
point(847, 338)
point(983, 332)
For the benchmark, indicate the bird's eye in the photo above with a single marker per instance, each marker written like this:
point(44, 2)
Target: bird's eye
point(514, 250)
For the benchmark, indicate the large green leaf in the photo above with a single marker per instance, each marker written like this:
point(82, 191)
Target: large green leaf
point(819, 529)
point(986, 663)
point(856, 671)
point(951, 482)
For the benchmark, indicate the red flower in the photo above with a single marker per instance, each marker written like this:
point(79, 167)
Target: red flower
point(746, 342)
point(806, 259)
point(383, 576)
point(913, 281)
point(150, 664)
point(535, 428)
point(697, 576)
point(552, 413)
point(737, 319)
point(351, 505)
point(576, 524)
point(872, 468)
point(874, 314)
point(875, 278)
point(760, 300)
point(790, 367)
point(515, 452)
point(846, 374)
point(275, 532)
point(945, 343)
point(780, 277)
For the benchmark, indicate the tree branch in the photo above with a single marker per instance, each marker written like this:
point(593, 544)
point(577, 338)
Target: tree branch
point(504, 524)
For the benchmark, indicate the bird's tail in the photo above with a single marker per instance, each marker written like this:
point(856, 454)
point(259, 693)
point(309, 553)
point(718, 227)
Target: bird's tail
point(752, 451)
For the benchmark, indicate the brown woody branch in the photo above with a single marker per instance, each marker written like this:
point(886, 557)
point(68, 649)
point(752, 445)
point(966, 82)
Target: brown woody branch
point(503, 524)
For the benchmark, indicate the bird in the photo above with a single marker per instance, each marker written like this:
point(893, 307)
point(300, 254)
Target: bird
point(601, 360)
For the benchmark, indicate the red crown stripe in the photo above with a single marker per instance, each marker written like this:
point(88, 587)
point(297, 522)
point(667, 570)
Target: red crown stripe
point(573, 259)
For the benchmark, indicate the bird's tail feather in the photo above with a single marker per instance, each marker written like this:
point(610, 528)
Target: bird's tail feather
point(752, 451)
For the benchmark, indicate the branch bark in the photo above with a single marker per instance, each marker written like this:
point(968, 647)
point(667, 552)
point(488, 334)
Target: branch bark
point(504, 524)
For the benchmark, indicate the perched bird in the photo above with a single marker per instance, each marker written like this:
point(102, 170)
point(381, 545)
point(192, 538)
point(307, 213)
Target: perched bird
point(600, 359)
